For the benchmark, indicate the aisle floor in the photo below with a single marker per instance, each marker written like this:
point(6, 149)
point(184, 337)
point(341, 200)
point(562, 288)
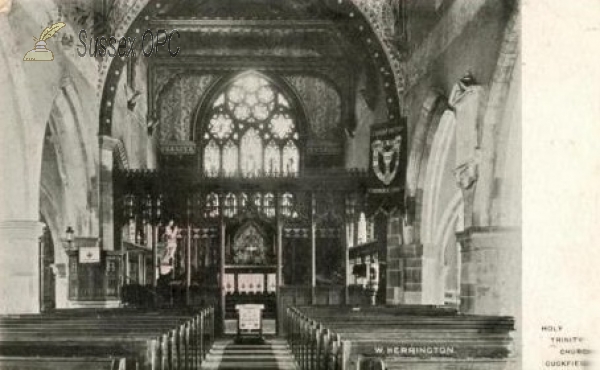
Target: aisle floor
point(273, 354)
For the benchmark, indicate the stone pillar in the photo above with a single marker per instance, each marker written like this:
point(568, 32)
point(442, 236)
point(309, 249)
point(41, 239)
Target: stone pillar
point(412, 261)
point(19, 264)
point(404, 264)
point(107, 146)
point(491, 270)
point(395, 267)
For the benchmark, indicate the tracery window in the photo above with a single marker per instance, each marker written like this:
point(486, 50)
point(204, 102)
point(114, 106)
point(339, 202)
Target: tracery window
point(269, 205)
point(251, 131)
point(230, 208)
point(287, 205)
point(212, 205)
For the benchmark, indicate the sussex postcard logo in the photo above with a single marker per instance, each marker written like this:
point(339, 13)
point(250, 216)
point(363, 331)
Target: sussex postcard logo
point(40, 53)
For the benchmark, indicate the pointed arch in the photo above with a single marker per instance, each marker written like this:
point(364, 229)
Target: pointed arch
point(250, 123)
point(141, 11)
point(292, 101)
point(434, 176)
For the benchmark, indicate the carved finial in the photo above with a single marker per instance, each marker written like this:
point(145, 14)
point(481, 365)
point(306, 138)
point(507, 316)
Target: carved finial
point(151, 122)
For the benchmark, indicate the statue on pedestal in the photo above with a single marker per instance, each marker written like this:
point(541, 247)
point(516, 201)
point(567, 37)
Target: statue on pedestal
point(171, 232)
point(465, 100)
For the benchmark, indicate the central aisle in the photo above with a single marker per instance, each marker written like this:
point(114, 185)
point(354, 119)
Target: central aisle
point(274, 354)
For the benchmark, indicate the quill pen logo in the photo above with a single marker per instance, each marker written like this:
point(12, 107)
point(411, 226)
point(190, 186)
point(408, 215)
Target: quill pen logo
point(39, 53)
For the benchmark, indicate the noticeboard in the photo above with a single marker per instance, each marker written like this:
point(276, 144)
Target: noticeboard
point(89, 254)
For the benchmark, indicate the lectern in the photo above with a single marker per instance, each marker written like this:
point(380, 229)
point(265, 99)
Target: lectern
point(249, 326)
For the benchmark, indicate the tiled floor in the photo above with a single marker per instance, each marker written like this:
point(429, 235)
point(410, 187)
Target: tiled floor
point(274, 354)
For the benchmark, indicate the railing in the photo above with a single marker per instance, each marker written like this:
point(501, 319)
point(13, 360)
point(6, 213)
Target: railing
point(94, 281)
point(335, 174)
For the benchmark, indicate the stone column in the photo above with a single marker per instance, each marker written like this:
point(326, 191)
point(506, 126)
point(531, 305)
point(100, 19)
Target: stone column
point(404, 264)
point(107, 146)
point(491, 270)
point(412, 260)
point(19, 263)
point(395, 267)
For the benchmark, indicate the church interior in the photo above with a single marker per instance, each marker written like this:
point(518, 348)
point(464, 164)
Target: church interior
point(340, 179)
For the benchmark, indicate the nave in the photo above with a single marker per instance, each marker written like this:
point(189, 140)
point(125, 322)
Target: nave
point(315, 338)
point(353, 166)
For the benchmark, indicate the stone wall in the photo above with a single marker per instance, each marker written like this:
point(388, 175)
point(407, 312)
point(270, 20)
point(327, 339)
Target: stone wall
point(43, 102)
point(477, 37)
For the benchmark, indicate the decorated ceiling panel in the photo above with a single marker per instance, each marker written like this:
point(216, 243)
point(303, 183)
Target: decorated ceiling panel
point(322, 105)
point(280, 39)
point(178, 102)
point(370, 26)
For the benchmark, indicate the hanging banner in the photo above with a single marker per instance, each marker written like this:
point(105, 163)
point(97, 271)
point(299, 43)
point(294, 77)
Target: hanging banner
point(387, 166)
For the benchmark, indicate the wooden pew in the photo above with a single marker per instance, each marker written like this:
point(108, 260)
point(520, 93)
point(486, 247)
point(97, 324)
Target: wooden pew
point(340, 341)
point(402, 363)
point(139, 351)
point(61, 363)
point(183, 343)
point(177, 338)
point(201, 326)
point(171, 340)
point(168, 341)
point(365, 342)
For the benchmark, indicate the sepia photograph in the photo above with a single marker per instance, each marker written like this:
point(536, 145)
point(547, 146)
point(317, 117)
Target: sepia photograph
point(272, 184)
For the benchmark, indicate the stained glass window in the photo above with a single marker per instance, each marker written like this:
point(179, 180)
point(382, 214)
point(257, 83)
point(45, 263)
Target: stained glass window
point(272, 158)
point(221, 126)
point(230, 158)
point(290, 158)
point(281, 126)
point(211, 158)
point(251, 131)
point(251, 153)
